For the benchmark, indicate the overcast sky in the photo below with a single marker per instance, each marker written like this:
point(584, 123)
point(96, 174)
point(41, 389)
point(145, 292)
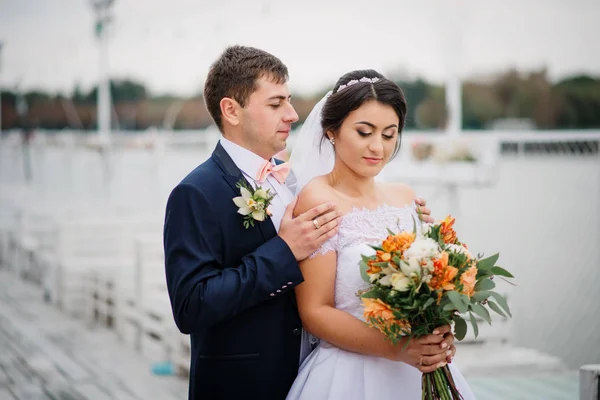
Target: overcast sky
point(169, 44)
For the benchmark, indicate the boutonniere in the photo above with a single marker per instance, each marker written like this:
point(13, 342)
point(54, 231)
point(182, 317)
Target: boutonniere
point(253, 203)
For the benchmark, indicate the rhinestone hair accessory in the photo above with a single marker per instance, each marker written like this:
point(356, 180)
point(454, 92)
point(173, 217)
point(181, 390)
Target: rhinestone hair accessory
point(354, 81)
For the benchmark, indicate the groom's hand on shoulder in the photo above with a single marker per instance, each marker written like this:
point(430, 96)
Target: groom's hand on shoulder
point(305, 233)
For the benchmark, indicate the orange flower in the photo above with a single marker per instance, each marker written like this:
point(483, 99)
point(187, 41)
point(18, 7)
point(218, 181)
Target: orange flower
point(375, 308)
point(446, 231)
point(443, 274)
point(468, 279)
point(373, 269)
point(399, 242)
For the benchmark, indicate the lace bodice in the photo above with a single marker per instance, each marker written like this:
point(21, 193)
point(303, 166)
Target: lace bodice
point(357, 230)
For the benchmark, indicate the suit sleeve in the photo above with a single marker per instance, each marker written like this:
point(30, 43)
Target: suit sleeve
point(202, 291)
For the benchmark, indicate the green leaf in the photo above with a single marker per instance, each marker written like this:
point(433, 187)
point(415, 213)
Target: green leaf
point(457, 301)
point(488, 263)
point(484, 284)
point(474, 324)
point(429, 302)
point(390, 232)
point(501, 272)
point(363, 271)
point(480, 296)
point(449, 307)
point(465, 299)
point(460, 327)
point(495, 307)
point(482, 312)
point(372, 294)
point(415, 222)
point(502, 302)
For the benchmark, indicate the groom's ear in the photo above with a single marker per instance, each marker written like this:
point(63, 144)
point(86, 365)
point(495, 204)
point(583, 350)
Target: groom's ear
point(230, 110)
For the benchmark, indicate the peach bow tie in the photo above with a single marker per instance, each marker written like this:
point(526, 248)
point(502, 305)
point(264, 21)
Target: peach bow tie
point(279, 172)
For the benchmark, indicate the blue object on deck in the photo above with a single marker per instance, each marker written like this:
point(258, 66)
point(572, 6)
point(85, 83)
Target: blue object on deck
point(163, 368)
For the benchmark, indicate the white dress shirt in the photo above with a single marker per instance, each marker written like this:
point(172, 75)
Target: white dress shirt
point(250, 164)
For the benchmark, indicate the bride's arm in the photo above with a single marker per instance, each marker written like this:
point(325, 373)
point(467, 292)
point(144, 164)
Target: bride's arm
point(316, 305)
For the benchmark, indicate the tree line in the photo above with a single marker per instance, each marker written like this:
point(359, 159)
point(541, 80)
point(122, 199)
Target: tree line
point(572, 103)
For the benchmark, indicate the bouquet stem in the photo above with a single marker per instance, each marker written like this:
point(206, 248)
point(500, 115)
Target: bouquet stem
point(439, 385)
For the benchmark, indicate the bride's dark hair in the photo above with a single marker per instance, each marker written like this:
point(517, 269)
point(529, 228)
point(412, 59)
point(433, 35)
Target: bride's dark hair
point(343, 102)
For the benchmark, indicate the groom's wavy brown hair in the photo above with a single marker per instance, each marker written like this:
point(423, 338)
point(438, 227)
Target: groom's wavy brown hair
point(234, 75)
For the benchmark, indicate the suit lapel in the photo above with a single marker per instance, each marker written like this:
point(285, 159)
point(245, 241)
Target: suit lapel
point(232, 175)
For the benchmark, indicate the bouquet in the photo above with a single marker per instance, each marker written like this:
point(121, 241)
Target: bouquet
point(424, 279)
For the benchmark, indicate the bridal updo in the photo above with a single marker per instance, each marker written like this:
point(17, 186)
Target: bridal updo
point(353, 90)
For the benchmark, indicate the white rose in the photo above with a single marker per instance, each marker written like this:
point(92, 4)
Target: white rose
point(422, 248)
point(410, 267)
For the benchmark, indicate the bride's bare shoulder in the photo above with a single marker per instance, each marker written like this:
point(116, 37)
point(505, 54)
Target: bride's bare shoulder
point(316, 192)
point(398, 194)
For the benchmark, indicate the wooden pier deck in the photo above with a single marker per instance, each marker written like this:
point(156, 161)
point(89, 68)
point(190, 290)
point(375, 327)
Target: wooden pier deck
point(45, 355)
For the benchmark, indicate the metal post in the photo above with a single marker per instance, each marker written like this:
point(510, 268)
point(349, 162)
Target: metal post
point(1, 44)
point(103, 18)
point(589, 382)
point(104, 106)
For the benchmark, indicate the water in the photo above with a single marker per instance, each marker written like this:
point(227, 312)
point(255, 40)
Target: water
point(542, 213)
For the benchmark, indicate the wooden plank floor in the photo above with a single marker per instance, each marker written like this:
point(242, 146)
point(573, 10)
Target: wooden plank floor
point(45, 355)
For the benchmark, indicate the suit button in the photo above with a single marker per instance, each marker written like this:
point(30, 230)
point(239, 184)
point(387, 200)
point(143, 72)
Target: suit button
point(296, 332)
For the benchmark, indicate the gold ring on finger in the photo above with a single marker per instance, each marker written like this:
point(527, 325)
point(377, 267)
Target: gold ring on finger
point(421, 361)
point(316, 224)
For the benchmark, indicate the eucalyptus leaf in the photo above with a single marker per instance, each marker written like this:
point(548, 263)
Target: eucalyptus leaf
point(484, 284)
point(501, 272)
point(460, 327)
point(482, 312)
point(488, 263)
point(457, 301)
point(495, 307)
point(502, 302)
point(474, 324)
point(480, 296)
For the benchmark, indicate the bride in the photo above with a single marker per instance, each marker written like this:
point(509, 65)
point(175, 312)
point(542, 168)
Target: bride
point(349, 137)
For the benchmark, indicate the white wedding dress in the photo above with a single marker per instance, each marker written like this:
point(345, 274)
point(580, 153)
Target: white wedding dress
point(335, 374)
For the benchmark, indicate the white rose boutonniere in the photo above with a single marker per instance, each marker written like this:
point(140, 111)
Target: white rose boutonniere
point(253, 203)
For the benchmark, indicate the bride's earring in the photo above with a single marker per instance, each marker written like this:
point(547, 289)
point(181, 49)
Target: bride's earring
point(332, 140)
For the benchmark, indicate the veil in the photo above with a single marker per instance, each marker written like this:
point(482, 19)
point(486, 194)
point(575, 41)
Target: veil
point(310, 156)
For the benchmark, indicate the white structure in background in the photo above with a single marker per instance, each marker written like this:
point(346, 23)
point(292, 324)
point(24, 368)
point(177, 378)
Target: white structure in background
point(104, 107)
point(103, 19)
point(450, 160)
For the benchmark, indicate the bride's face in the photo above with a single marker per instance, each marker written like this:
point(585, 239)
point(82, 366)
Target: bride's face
point(367, 138)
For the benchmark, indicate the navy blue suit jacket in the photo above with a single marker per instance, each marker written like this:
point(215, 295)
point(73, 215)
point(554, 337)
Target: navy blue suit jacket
point(231, 289)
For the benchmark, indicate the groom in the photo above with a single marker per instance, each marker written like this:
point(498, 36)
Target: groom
point(230, 283)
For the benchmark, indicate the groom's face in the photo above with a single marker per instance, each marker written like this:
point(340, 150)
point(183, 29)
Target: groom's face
point(267, 118)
